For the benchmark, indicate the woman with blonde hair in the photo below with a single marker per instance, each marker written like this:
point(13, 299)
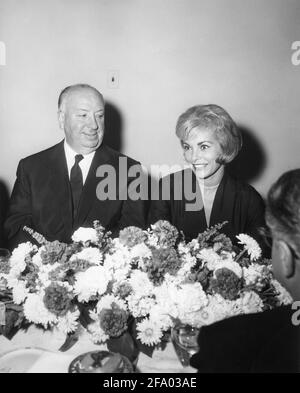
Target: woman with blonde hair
point(210, 140)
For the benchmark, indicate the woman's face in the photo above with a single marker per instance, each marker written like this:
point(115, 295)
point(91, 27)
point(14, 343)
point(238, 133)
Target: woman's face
point(201, 149)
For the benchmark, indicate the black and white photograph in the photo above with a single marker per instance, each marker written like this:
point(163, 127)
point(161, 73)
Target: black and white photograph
point(150, 189)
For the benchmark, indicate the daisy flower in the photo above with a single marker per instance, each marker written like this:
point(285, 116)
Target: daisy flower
point(149, 333)
point(69, 322)
point(36, 312)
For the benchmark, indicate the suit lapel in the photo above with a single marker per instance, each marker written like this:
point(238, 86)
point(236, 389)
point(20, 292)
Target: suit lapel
point(59, 169)
point(88, 196)
point(224, 201)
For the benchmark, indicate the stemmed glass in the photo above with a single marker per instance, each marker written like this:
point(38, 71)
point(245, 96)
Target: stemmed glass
point(184, 339)
point(4, 258)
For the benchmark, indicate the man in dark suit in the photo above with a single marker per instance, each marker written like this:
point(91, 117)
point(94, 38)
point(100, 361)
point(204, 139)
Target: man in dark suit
point(77, 181)
point(3, 210)
point(267, 341)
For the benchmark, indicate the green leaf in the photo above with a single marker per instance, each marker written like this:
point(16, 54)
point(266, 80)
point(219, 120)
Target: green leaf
point(71, 339)
point(124, 345)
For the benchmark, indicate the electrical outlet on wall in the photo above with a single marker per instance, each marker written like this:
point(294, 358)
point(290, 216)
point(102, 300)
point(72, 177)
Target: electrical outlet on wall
point(113, 79)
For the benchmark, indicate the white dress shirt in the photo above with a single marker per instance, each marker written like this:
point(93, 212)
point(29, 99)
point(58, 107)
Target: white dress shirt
point(84, 164)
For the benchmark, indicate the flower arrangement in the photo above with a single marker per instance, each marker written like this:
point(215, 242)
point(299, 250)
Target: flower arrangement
point(142, 283)
point(49, 281)
point(160, 281)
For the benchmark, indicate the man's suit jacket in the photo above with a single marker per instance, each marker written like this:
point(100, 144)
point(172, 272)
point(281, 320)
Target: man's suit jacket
point(41, 197)
point(259, 343)
point(3, 211)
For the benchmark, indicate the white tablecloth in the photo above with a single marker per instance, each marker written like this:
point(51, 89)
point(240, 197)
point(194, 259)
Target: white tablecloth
point(48, 359)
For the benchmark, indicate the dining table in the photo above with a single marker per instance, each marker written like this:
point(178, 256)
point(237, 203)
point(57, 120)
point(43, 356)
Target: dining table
point(35, 350)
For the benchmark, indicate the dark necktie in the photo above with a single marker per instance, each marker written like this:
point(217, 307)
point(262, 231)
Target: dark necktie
point(76, 183)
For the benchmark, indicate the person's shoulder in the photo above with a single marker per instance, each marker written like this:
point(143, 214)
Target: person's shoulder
point(37, 159)
point(246, 190)
point(41, 155)
point(232, 345)
point(245, 322)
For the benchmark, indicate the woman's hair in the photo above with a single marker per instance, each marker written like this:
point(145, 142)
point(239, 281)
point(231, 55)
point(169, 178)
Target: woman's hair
point(214, 118)
point(283, 209)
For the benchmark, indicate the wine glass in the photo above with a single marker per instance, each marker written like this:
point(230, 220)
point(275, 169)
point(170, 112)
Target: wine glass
point(4, 266)
point(184, 339)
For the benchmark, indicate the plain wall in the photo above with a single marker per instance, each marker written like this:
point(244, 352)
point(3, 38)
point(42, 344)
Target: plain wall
point(169, 55)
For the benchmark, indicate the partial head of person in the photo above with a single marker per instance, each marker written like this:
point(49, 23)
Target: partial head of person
point(209, 138)
point(81, 116)
point(283, 218)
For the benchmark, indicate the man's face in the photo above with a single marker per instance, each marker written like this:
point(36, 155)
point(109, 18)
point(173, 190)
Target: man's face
point(82, 118)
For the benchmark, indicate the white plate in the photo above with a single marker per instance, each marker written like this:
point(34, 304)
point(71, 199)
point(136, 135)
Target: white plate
point(19, 360)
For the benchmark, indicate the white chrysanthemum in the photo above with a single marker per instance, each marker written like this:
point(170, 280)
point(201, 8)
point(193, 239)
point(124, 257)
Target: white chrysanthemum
point(194, 245)
point(254, 273)
point(149, 332)
point(107, 300)
point(90, 254)
point(183, 248)
point(283, 295)
point(251, 246)
point(249, 302)
point(120, 275)
point(188, 261)
point(19, 292)
point(165, 300)
point(98, 335)
point(118, 263)
point(36, 259)
point(12, 281)
point(17, 259)
point(140, 283)
point(21, 252)
point(36, 312)
point(140, 306)
point(140, 251)
point(210, 257)
point(69, 322)
point(84, 235)
point(217, 309)
point(161, 316)
point(117, 245)
point(177, 279)
point(153, 241)
point(92, 282)
point(233, 266)
point(15, 272)
point(189, 299)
